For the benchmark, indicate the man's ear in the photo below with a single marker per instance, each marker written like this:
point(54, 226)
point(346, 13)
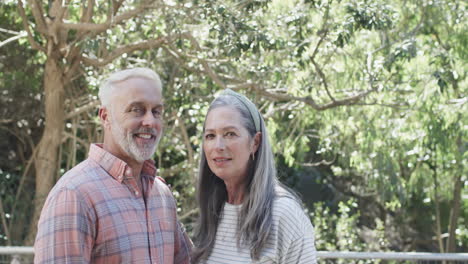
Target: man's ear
point(256, 141)
point(104, 116)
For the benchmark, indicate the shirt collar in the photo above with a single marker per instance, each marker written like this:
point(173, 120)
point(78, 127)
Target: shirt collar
point(117, 167)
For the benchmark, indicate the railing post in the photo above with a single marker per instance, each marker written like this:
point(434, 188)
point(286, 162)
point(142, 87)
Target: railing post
point(15, 259)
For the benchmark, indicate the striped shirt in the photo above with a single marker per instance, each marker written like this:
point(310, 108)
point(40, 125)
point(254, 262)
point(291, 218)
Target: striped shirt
point(96, 214)
point(291, 239)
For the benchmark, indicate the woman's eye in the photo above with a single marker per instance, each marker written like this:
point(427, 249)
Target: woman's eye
point(230, 134)
point(209, 136)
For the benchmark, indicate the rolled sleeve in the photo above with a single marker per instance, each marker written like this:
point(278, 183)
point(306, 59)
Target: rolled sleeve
point(65, 230)
point(183, 246)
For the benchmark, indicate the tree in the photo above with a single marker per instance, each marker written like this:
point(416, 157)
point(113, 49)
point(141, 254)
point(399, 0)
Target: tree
point(406, 157)
point(74, 35)
point(333, 78)
point(20, 111)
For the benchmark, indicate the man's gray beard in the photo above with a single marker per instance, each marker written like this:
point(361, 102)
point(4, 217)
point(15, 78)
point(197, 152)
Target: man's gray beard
point(127, 143)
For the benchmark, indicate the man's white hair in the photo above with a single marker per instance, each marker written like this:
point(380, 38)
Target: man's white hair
point(107, 88)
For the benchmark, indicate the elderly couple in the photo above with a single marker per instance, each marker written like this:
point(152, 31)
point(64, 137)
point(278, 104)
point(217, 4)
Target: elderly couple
point(112, 208)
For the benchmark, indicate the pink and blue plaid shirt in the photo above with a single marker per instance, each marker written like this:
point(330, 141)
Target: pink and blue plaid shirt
point(95, 214)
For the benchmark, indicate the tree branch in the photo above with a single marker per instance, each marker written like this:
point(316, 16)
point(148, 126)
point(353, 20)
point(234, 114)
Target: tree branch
point(116, 6)
point(10, 31)
point(454, 213)
point(170, 172)
point(322, 76)
point(87, 11)
point(212, 74)
point(38, 13)
point(350, 100)
point(189, 213)
point(111, 21)
point(307, 100)
point(272, 95)
point(177, 57)
point(320, 163)
point(33, 43)
point(21, 35)
point(4, 222)
point(82, 109)
point(57, 11)
point(207, 69)
point(323, 79)
point(23, 179)
point(149, 44)
point(375, 103)
point(204, 63)
point(185, 135)
point(61, 10)
point(70, 71)
point(67, 135)
point(406, 36)
point(6, 121)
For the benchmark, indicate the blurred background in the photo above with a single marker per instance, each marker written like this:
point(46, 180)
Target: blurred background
point(365, 101)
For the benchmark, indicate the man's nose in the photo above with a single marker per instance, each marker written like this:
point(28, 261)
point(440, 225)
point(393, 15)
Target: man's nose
point(149, 120)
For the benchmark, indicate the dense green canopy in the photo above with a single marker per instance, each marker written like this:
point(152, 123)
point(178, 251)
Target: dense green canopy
point(365, 102)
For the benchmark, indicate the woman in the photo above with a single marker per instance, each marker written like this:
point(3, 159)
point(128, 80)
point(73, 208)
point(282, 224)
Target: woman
point(246, 216)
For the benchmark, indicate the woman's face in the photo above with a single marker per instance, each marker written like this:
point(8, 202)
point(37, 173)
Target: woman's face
point(228, 145)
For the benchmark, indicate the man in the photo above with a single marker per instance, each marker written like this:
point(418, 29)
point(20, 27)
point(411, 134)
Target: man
point(111, 208)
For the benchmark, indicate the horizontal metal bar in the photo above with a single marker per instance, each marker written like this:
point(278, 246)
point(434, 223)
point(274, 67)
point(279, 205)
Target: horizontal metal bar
point(320, 254)
point(16, 250)
point(392, 255)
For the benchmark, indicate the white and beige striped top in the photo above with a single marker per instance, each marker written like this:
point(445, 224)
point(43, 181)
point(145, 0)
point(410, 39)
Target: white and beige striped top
point(291, 239)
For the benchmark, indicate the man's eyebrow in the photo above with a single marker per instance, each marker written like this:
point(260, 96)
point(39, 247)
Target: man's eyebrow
point(139, 103)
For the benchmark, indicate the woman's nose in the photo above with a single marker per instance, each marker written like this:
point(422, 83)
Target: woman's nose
point(220, 144)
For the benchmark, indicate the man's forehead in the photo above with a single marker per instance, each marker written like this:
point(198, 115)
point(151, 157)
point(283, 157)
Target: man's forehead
point(140, 102)
point(138, 82)
point(139, 89)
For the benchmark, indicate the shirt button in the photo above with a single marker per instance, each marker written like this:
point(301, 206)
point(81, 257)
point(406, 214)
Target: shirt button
point(136, 193)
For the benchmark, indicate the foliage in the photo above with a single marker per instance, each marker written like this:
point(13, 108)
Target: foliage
point(371, 94)
point(20, 125)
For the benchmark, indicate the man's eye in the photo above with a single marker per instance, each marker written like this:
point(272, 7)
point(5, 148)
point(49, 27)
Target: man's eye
point(136, 109)
point(209, 136)
point(157, 113)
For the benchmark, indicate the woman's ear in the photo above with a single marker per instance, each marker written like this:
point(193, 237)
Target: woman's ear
point(256, 141)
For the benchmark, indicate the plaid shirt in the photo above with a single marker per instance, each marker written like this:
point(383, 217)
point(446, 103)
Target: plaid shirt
point(95, 214)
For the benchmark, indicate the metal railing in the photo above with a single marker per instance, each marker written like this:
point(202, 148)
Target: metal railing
point(16, 255)
point(393, 255)
point(23, 255)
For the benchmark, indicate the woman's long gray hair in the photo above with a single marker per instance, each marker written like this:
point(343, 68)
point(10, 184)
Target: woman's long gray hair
point(260, 191)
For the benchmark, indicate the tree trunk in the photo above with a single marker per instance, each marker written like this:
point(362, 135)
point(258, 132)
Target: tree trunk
point(46, 162)
point(437, 204)
point(454, 213)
